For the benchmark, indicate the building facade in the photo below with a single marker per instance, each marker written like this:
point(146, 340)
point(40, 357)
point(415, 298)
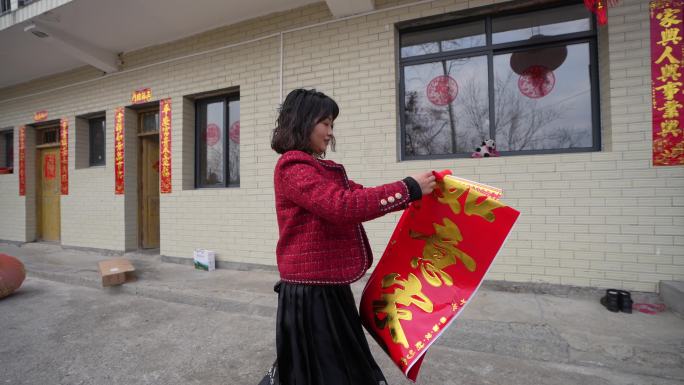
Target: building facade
point(419, 83)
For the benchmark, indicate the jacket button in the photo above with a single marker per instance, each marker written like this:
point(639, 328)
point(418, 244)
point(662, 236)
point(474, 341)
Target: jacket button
point(398, 196)
point(390, 199)
point(383, 202)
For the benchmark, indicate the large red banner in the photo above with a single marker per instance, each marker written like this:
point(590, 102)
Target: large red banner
point(64, 155)
point(666, 82)
point(22, 161)
point(165, 146)
point(434, 263)
point(119, 151)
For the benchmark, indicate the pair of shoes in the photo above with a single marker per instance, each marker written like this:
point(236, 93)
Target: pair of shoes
point(617, 300)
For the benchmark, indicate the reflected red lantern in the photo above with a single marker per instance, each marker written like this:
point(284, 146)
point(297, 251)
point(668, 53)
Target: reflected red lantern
point(442, 90)
point(12, 274)
point(213, 134)
point(234, 132)
point(536, 82)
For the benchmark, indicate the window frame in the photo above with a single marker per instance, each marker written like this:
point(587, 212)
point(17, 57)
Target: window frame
point(226, 99)
point(91, 162)
point(490, 51)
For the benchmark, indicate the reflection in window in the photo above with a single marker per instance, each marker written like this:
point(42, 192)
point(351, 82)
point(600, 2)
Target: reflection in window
point(535, 95)
point(211, 125)
point(545, 110)
point(551, 22)
point(446, 106)
point(149, 121)
point(6, 151)
point(234, 141)
point(96, 139)
point(218, 134)
point(443, 39)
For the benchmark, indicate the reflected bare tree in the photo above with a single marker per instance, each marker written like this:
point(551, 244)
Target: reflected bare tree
point(424, 126)
point(429, 129)
point(476, 113)
point(520, 121)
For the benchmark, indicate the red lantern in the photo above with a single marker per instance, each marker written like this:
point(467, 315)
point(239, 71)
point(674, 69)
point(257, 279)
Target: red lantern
point(12, 274)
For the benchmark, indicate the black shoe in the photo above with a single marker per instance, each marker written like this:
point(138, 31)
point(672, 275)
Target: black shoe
point(625, 301)
point(611, 300)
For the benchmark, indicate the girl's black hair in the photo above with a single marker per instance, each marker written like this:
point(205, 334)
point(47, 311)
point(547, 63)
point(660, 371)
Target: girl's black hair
point(301, 111)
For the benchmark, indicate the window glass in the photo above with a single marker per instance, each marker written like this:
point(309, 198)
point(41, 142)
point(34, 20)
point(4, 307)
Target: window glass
point(443, 39)
point(97, 141)
point(551, 22)
point(446, 107)
point(541, 108)
point(150, 121)
point(211, 144)
point(6, 150)
point(234, 141)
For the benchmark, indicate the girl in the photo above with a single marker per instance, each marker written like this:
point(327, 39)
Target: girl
point(323, 248)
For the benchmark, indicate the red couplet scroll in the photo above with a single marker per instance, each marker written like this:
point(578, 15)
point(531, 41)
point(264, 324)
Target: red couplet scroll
point(434, 263)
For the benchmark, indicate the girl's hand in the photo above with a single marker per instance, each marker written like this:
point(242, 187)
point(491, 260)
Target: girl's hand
point(426, 181)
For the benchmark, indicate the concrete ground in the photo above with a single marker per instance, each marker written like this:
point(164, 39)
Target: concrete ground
point(176, 325)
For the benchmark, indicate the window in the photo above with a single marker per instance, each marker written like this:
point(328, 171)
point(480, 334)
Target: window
point(217, 137)
point(6, 152)
point(48, 136)
point(96, 141)
point(5, 6)
point(149, 122)
point(527, 80)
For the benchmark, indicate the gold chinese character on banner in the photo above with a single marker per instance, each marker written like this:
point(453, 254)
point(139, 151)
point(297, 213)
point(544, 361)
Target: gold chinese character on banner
point(667, 54)
point(440, 252)
point(671, 109)
point(670, 127)
point(670, 35)
point(668, 17)
point(408, 293)
point(670, 89)
point(669, 71)
point(475, 203)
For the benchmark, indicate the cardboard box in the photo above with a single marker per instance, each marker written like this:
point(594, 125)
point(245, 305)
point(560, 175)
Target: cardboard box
point(116, 271)
point(204, 260)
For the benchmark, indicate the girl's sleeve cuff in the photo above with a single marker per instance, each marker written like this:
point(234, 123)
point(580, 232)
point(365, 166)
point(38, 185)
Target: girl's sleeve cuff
point(414, 188)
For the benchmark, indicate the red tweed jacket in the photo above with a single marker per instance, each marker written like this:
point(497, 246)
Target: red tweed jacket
point(319, 214)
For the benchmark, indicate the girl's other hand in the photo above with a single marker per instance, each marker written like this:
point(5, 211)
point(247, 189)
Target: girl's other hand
point(426, 181)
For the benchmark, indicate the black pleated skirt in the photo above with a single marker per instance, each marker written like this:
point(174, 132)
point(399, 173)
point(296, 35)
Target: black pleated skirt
point(320, 339)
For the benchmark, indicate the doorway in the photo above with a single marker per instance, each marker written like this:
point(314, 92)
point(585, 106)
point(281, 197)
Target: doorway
point(48, 186)
point(148, 178)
